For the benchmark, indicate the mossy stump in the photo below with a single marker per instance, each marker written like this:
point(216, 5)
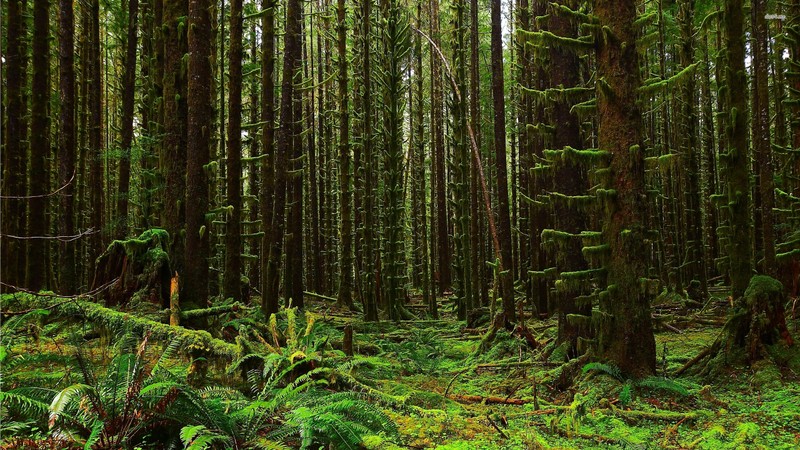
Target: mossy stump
point(137, 267)
point(758, 320)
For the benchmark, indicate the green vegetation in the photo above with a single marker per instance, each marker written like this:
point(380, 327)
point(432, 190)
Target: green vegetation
point(285, 383)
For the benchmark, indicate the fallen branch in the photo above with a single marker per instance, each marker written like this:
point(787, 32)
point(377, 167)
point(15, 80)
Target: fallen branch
point(324, 297)
point(487, 400)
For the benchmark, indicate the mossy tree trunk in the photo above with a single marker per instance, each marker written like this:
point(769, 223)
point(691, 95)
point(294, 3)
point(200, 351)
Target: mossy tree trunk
point(173, 157)
point(128, 99)
point(40, 146)
point(15, 153)
point(269, 287)
point(67, 280)
point(737, 157)
point(345, 297)
point(504, 217)
point(194, 282)
point(625, 332)
point(232, 283)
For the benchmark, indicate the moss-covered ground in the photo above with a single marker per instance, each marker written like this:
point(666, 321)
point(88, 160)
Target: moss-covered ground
point(442, 395)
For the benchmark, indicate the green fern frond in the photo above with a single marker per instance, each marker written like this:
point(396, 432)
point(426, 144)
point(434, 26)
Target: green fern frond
point(607, 369)
point(662, 384)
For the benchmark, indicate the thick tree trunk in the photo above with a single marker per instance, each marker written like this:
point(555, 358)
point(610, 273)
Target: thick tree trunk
point(194, 282)
point(66, 145)
point(625, 332)
point(40, 146)
point(173, 156)
point(15, 153)
point(737, 157)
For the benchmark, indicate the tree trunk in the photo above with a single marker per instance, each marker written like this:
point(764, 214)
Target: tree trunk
point(128, 99)
point(15, 154)
point(232, 283)
point(503, 215)
point(173, 157)
point(625, 333)
point(194, 282)
point(40, 146)
point(737, 157)
point(66, 145)
point(761, 126)
point(269, 281)
point(345, 297)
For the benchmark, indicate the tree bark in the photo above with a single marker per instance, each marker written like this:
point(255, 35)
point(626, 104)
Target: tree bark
point(66, 145)
point(232, 283)
point(625, 332)
point(503, 214)
point(194, 282)
point(128, 99)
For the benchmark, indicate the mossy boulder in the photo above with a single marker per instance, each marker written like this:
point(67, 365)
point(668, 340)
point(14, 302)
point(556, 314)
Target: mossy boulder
point(137, 267)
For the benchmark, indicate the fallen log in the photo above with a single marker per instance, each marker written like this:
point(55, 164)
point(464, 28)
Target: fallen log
point(190, 340)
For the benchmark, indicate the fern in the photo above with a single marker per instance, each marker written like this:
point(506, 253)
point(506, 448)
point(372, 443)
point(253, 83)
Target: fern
point(607, 369)
point(627, 392)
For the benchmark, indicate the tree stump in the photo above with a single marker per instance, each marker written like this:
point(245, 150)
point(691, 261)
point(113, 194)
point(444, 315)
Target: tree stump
point(758, 319)
point(136, 267)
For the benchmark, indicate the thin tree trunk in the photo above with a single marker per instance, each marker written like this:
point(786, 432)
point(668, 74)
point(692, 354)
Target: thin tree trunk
point(345, 297)
point(503, 214)
point(128, 98)
point(269, 195)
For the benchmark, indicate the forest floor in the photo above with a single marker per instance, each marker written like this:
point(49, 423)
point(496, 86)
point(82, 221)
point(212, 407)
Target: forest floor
point(505, 398)
point(422, 360)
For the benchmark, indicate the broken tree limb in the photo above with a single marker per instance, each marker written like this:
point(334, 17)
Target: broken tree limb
point(487, 400)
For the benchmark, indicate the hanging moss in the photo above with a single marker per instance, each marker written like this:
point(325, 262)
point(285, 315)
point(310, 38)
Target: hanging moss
point(576, 16)
point(582, 44)
point(656, 84)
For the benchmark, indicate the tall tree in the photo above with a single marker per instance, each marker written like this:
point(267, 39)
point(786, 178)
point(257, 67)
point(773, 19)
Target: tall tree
point(437, 139)
point(67, 282)
point(762, 144)
point(625, 333)
point(396, 49)
point(199, 108)
point(737, 157)
point(173, 147)
point(95, 155)
point(15, 154)
point(294, 237)
point(503, 215)
point(284, 151)
point(40, 146)
point(128, 100)
point(345, 297)
point(233, 225)
point(269, 280)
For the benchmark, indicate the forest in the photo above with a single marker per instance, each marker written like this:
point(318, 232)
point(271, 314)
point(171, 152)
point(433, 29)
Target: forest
point(391, 224)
